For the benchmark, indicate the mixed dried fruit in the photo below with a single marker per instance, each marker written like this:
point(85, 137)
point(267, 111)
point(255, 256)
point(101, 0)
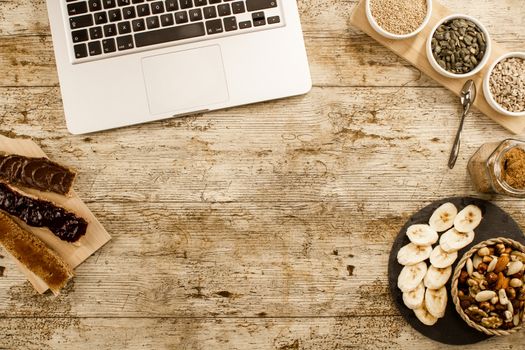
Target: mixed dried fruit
point(491, 287)
point(424, 288)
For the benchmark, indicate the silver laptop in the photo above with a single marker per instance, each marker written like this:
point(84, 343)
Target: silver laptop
point(124, 62)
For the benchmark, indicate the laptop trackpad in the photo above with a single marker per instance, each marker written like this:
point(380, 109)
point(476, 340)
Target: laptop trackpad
point(185, 80)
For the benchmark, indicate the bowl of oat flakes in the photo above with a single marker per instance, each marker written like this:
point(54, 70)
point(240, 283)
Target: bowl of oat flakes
point(504, 84)
point(398, 19)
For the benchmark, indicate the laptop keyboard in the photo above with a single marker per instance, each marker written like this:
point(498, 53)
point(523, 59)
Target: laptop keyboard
point(106, 28)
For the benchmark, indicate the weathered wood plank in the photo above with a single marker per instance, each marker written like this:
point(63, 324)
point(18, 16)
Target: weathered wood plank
point(231, 334)
point(231, 259)
point(332, 144)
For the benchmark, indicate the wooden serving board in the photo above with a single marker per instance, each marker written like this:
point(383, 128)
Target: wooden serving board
point(73, 253)
point(414, 51)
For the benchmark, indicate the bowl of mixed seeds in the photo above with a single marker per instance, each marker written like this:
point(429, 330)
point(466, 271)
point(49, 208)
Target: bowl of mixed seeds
point(504, 84)
point(398, 19)
point(458, 46)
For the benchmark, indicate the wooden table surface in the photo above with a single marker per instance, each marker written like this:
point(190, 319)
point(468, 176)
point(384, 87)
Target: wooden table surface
point(258, 227)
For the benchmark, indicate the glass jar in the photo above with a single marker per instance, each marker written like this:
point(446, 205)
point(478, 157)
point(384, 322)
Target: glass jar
point(487, 168)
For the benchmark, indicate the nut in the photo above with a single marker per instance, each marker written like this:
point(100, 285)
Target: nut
point(516, 283)
point(483, 251)
point(516, 320)
point(503, 300)
point(486, 306)
point(519, 255)
point(511, 293)
point(463, 276)
point(470, 267)
point(514, 267)
point(475, 313)
point(487, 259)
point(491, 277)
point(492, 264)
point(502, 263)
point(508, 316)
point(502, 282)
point(486, 295)
point(491, 322)
point(482, 268)
point(476, 260)
point(494, 300)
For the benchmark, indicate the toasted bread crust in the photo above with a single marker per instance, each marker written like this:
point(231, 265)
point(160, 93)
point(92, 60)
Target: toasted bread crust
point(29, 250)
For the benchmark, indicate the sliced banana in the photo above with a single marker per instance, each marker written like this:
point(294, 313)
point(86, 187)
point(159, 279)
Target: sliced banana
point(436, 277)
point(436, 301)
point(411, 254)
point(422, 234)
point(441, 259)
point(453, 240)
point(443, 217)
point(424, 316)
point(411, 276)
point(414, 299)
point(468, 219)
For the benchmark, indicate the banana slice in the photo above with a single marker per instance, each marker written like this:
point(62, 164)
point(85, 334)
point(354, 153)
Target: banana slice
point(424, 316)
point(436, 277)
point(453, 240)
point(436, 301)
point(414, 299)
point(443, 217)
point(422, 234)
point(411, 276)
point(441, 259)
point(411, 254)
point(468, 219)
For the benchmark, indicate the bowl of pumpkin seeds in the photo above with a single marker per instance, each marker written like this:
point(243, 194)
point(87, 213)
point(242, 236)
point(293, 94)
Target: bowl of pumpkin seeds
point(458, 46)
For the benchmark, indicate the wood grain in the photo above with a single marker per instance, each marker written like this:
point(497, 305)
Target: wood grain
point(258, 227)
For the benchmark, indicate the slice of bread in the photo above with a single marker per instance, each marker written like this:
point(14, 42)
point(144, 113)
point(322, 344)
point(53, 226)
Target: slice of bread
point(29, 250)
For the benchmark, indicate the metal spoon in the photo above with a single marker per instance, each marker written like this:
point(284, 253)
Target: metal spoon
point(468, 95)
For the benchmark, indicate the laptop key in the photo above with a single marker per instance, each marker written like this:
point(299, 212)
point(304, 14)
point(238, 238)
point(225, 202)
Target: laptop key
point(80, 50)
point(186, 4)
point(129, 12)
point(143, 10)
point(138, 25)
point(81, 21)
point(124, 2)
point(238, 7)
point(95, 5)
point(94, 48)
point(152, 22)
point(245, 24)
point(95, 33)
point(108, 45)
point(124, 27)
point(257, 5)
point(181, 17)
point(201, 3)
point(108, 4)
point(157, 7)
point(80, 35)
point(166, 20)
point(210, 12)
point(195, 15)
point(172, 5)
point(258, 19)
point(114, 15)
point(224, 10)
point(125, 42)
point(101, 18)
point(110, 30)
point(77, 8)
point(274, 19)
point(214, 2)
point(169, 34)
point(230, 23)
point(214, 26)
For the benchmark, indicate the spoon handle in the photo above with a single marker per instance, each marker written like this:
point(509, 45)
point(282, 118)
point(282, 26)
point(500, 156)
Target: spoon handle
point(457, 142)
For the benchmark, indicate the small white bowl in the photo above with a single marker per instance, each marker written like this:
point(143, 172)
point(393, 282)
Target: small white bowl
point(389, 35)
point(481, 64)
point(486, 86)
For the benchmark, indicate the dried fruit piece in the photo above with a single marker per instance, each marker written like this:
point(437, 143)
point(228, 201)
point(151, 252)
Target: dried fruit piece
point(468, 218)
point(441, 259)
point(422, 235)
point(411, 276)
point(443, 217)
point(414, 298)
point(436, 277)
point(411, 254)
point(436, 301)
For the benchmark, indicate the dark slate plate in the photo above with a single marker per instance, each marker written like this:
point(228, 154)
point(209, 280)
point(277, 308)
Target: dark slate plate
point(451, 329)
